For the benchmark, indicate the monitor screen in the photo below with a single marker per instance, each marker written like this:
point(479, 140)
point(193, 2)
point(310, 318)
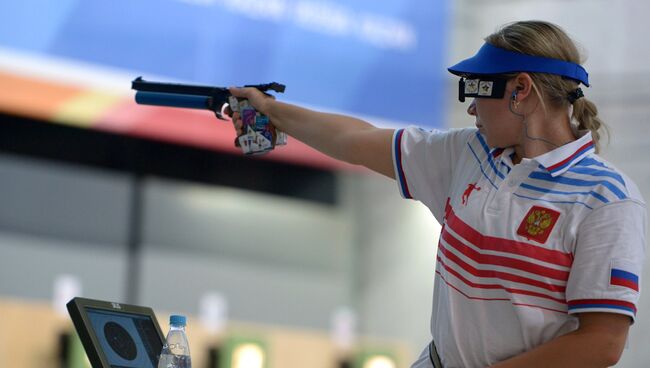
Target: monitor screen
point(127, 340)
point(116, 335)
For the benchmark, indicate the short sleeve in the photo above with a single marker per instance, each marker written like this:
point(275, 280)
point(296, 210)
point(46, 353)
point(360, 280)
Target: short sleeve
point(606, 272)
point(424, 162)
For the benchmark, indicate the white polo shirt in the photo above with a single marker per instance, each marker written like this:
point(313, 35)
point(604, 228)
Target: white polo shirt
point(523, 247)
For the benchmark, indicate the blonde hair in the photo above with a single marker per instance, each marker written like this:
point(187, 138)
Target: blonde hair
point(541, 38)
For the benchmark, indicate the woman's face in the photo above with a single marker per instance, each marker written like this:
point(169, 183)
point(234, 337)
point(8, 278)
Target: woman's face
point(501, 127)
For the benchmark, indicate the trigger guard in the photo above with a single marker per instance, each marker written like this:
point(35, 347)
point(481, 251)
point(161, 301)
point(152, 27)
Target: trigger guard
point(222, 112)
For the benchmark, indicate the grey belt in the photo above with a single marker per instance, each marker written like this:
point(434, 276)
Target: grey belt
point(433, 355)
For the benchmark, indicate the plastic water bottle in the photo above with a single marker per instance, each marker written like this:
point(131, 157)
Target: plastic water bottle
point(176, 350)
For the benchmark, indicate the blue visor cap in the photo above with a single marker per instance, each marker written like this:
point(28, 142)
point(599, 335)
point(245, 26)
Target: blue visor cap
point(492, 60)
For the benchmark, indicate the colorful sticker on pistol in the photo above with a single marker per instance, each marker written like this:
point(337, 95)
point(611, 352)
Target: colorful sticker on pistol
point(248, 118)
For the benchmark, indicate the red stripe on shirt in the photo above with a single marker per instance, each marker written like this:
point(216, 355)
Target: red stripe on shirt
point(501, 261)
point(506, 245)
point(552, 167)
point(497, 286)
point(496, 299)
point(621, 303)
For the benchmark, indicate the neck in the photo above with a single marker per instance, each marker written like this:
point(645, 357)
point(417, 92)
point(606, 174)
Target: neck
point(541, 133)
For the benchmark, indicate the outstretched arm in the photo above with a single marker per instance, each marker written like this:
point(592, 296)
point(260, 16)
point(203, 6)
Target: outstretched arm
point(342, 137)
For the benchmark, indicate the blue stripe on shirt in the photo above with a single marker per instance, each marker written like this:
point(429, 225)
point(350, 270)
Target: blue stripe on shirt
point(588, 161)
point(489, 155)
point(551, 191)
point(577, 182)
point(401, 177)
point(596, 172)
point(610, 306)
point(481, 166)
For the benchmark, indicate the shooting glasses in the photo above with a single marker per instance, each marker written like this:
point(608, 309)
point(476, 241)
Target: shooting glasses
point(482, 74)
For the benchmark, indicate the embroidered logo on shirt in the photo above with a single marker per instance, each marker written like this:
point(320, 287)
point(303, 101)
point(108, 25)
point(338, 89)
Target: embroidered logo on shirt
point(538, 224)
point(468, 191)
point(624, 278)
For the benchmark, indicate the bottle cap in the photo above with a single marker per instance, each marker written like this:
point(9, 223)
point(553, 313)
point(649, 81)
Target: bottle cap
point(177, 320)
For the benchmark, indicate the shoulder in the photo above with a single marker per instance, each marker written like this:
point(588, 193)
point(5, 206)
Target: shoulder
point(459, 135)
point(616, 204)
point(609, 184)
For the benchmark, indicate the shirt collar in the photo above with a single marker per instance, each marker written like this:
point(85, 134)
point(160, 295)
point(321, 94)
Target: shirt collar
point(563, 158)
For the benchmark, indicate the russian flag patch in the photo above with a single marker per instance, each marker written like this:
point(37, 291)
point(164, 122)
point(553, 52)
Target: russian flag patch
point(624, 278)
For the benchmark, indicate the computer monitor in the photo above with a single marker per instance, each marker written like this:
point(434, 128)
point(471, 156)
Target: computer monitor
point(117, 335)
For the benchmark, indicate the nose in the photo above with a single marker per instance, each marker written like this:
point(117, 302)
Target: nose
point(471, 109)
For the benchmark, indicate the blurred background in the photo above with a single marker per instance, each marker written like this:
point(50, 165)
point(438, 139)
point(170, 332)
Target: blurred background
point(320, 261)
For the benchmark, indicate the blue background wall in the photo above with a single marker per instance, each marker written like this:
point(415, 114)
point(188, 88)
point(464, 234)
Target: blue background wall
point(378, 59)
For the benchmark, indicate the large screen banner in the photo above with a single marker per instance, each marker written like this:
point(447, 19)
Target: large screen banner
point(381, 60)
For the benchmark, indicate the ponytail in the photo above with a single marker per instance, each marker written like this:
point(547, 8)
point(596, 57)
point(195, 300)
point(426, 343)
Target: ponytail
point(585, 114)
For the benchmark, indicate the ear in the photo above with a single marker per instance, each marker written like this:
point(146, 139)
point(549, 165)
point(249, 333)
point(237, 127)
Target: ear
point(523, 85)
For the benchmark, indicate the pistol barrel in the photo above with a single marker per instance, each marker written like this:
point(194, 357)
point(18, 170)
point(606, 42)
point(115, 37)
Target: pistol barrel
point(172, 100)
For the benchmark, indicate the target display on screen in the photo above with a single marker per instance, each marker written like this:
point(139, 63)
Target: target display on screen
point(116, 335)
point(120, 341)
point(127, 340)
